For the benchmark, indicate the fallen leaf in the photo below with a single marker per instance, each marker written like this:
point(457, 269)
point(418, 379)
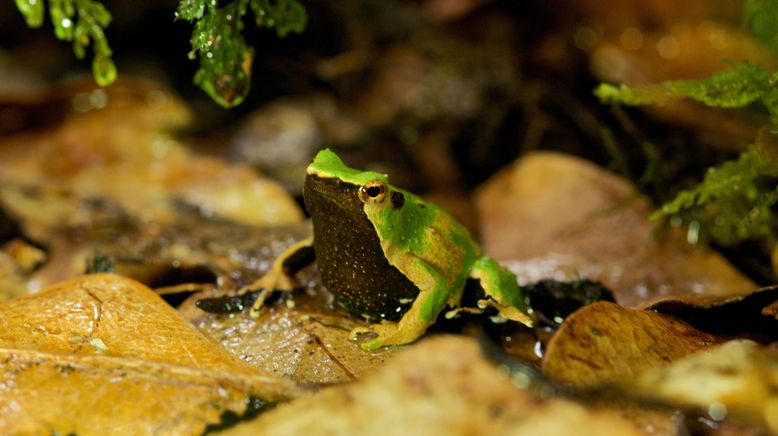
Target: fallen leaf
point(442, 385)
point(194, 250)
point(304, 344)
point(114, 155)
point(225, 254)
point(749, 314)
point(555, 216)
point(738, 379)
point(45, 393)
point(115, 352)
point(603, 342)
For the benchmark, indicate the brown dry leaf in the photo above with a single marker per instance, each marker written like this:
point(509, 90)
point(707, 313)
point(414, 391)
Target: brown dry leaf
point(442, 385)
point(677, 305)
point(603, 342)
point(556, 216)
point(106, 174)
point(738, 379)
point(45, 393)
point(192, 250)
point(748, 314)
point(689, 50)
point(109, 356)
point(115, 149)
point(307, 341)
point(303, 344)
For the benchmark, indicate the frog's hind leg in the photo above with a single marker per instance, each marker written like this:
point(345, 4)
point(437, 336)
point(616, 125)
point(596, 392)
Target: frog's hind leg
point(280, 276)
point(501, 289)
point(433, 294)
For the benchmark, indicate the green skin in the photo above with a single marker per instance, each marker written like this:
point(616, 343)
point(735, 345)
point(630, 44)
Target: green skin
point(426, 244)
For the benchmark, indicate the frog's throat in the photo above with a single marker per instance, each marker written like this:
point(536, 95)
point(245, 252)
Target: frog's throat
point(349, 253)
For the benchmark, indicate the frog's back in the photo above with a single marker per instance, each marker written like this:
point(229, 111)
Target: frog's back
point(427, 232)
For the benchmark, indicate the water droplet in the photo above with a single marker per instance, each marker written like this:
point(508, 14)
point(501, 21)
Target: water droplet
point(668, 47)
point(585, 37)
point(538, 349)
point(98, 99)
point(156, 99)
point(521, 380)
point(81, 103)
point(631, 38)
point(693, 234)
point(717, 411)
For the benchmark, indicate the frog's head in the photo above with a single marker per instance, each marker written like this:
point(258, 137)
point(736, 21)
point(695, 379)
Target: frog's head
point(350, 190)
point(351, 211)
point(327, 165)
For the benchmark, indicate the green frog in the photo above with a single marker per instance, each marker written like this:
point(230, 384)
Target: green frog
point(389, 256)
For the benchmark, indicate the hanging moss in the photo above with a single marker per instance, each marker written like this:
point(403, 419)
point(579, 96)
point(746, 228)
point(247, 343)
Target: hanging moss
point(217, 40)
point(81, 22)
point(225, 58)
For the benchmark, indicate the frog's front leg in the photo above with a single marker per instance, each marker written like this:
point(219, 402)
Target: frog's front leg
point(432, 298)
point(280, 276)
point(501, 289)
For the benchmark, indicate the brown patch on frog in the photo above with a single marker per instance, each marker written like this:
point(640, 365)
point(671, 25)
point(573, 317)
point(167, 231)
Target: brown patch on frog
point(352, 264)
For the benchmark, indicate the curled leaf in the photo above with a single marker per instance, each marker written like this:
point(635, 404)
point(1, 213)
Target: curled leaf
point(603, 342)
point(555, 216)
point(737, 379)
point(104, 353)
point(443, 385)
point(750, 315)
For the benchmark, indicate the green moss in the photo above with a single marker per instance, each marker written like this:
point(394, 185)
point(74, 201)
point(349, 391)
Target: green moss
point(761, 18)
point(225, 58)
point(81, 22)
point(737, 87)
point(735, 200)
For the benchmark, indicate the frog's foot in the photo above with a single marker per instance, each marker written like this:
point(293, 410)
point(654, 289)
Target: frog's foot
point(272, 281)
point(507, 312)
point(386, 334)
point(453, 313)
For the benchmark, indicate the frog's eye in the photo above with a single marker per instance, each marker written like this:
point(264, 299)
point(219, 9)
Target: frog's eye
point(373, 191)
